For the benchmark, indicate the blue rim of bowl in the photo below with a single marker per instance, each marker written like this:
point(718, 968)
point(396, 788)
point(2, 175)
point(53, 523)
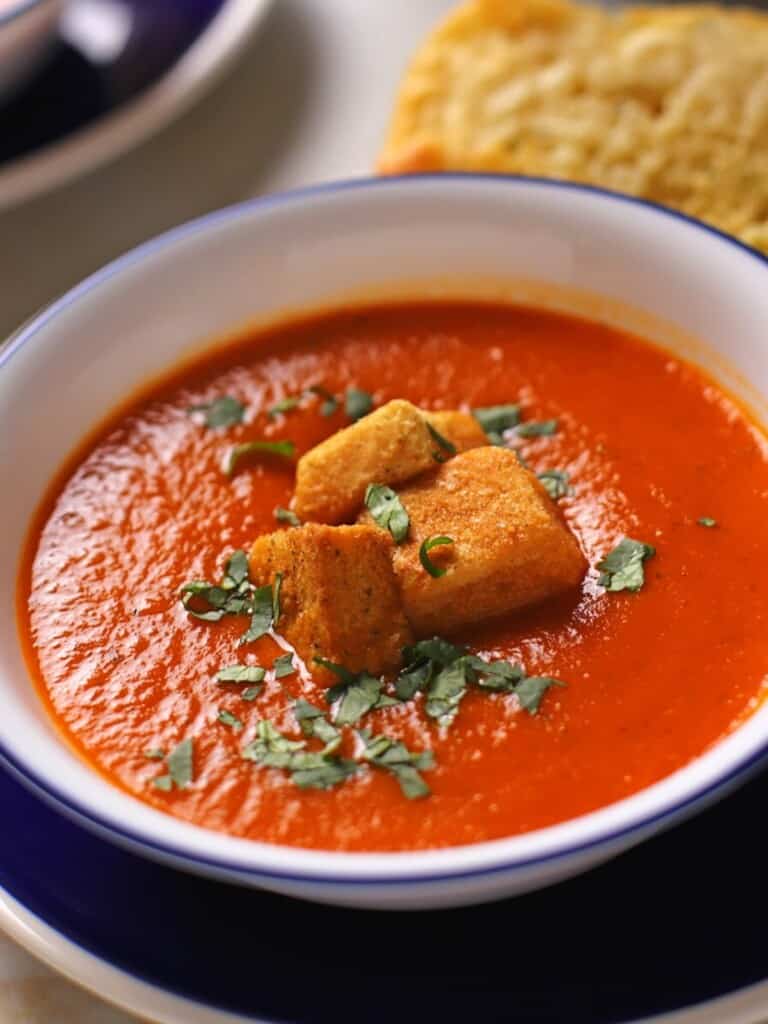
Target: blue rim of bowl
point(20, 8)
point(137, 841)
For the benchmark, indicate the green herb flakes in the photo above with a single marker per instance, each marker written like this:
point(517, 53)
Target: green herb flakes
point(387, 511)
point(276, 586)
point(241, 674)
point(313, 723)
point(229, 597)
point(495, 419)
point(180, 768)
point(285, 515)
point(283, 406)
point(355, 695)
point(330, 403)
point(447, 447)
point(622, 568)
point(707, 521)
point(555, 482)
point(394, 757)
point(262, 614)
point(308, 770)
point(357, 404)
point(221, 412)
point(227, 718)
point(284, 449)
point(283, 666)
point(251, 693)
point(530, 690)
point(433, 542)
point(536, 428)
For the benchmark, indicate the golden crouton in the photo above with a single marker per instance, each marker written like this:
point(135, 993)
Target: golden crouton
point(667, 102)
point(339, 599)
point(388, 446)
point(510, 547)
point(460, 428)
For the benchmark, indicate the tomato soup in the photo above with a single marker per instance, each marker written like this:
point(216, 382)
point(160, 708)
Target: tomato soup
point(653, 449)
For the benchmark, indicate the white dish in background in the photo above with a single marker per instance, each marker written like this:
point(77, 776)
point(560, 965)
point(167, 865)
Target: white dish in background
point(453, 234)
point(89, 26)
point(27, 28)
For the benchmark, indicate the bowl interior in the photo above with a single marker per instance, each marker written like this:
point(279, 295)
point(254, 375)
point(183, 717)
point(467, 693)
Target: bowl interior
point(566, 247)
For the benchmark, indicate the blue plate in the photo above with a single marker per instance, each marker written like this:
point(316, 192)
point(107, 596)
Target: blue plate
point(675, 922)
point(82, 81)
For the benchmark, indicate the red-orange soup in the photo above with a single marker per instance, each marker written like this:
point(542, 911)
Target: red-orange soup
point(653, 678)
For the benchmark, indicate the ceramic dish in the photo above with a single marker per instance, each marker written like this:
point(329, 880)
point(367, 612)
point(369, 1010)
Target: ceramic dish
point(632, 940)
point(393, 237)
point(26, 31)
point(116, 75)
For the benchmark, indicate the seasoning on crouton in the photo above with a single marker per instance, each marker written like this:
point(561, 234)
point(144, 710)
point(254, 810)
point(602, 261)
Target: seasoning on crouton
point(339, 599)
point(510, 547)
point(460, 428)
point(388, 446)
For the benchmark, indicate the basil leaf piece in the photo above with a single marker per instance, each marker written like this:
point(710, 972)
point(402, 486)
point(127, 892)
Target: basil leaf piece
point(442, 442)
point(221, 412)
point(394, 757)
point(330, 771)
point(227, 718)
point(285, 515)
point(356, 699)
point(446, 691)
point(270, 749)
point(180, 764)
point(495, 419)
point(241, 674)
point(283, 406)
point(357, 404)
point(251, 693)
point(433, 542)
point(235, 570)
point(555, 482)
point(285, 449)
point(276, 598)
point(314, 723)
point(163, 782)
point(622, 568)
point(331, 403)
point(536, 428)
point(707, 521)
point(412, 679)
point(387, 511)
point(436, 649)
point(495, 675)
point(529, 691)
point(155, 754)
point(230, 597)
point(283, 666)
point(262, 613)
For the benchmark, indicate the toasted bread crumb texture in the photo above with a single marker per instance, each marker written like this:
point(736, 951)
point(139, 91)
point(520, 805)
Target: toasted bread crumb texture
point(666, 103)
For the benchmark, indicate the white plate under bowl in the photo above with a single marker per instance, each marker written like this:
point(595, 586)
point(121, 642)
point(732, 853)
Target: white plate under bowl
point(557, 244)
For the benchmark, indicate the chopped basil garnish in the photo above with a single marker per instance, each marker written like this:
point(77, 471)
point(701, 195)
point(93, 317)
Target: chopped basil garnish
point(285, 449)
point(707, 521)
point(555, 483)
point(270, 749)
point(622, 568)
point(426, 561)
point(394, 757)
point(387, 511)
point(495, 419)
point(357, 403)
point(314, 723)
point(251, 693)
point(530, 690)
point(180, 768)
point(232, 596)
point(355, 695)
point(284, 515)
point(283, 666)
point(284, 405)
point(536, 428)
point(155, 754)
point(241, 674)
point(276, 598)
point(227, 718)
point(262, 614)
point(330, 403)
point(221, 412)
point(442, 442)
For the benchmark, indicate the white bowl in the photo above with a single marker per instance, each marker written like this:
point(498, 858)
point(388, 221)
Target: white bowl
point(26, 31)
point(556, 244)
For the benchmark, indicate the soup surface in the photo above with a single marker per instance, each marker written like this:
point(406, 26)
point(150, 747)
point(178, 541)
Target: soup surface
point(654, 450)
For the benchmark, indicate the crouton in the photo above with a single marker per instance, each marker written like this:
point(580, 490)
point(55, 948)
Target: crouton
point(460, 428)
point(339, 599)
point(510, 546)
point(388, 446)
